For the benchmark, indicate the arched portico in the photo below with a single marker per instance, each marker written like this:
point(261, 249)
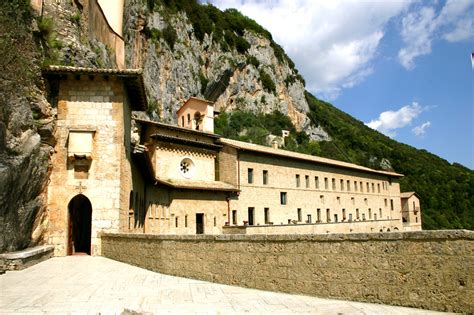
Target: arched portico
point(80, 225)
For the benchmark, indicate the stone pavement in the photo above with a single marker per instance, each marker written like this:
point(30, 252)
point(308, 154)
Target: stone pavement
point(93, 285)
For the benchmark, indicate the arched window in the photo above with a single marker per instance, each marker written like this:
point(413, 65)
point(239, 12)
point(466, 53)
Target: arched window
point(197, 120)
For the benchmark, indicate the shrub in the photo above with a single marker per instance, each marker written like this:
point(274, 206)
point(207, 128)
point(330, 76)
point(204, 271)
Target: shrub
point(204, 82)
point(267, 82)
point(170, 36)
point(251, 60)
point(241, 44)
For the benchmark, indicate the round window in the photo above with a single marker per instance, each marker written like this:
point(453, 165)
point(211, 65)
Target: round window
point(186, 167)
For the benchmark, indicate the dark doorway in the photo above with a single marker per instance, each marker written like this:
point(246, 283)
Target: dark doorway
point(80, 224)
point(199, 223)
point(251, 215)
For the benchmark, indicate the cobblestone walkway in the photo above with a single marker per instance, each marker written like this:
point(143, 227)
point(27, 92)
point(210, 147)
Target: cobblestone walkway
point(92, 285)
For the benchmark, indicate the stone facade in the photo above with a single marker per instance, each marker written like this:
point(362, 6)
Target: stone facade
point(275, 191)
point(91, 176)
point(314, 193)
point(411, 212)
point(427, 269)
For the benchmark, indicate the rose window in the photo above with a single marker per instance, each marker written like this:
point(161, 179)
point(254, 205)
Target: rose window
point(186, 167)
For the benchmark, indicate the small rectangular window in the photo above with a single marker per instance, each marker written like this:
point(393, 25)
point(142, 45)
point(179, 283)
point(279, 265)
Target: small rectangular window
point(328, 215)
point(370, 214)
point(234, 217)
point(283, 198)
point(373, 187)
point(342, 184)
point(366, 202)
point(385, 202)
point(333, 184)
point(306, 178)
point(318, 215)
point(250, 175)
point(378, 188)
point(338, 199)
point(348, 185)
point(361, 187)
point(265, 177)
point(309, 219)
point(353, 200)
point(251, 216)
point(185, 221)
point(357, 214)
point(300, 216)
point(350, 217)
point(380, 213)
point(326, 185)
point(391, 204)
point(215, 221)
point(321, 198)
point(266, 215)
point(368, 187)
point(355, 185)
point(297, 180)
point(176, 222)
point(335, 217)
point(343, 214)
point(316, 182)
point(363, 216)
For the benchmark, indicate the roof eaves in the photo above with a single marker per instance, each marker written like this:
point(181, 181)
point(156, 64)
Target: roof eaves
point(132, 78)
point(187, 130)
point(196, 186)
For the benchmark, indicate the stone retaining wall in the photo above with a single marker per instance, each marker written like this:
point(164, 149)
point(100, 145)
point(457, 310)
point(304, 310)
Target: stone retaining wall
point(427, 269)
point(25, 258)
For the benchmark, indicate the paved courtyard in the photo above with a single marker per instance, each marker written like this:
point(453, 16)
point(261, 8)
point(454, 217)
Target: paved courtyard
point(92, 285)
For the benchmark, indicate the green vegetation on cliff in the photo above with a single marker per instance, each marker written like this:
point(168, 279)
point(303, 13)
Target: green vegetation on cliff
point(227, 27)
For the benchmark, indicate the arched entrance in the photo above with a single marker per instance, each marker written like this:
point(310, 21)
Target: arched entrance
point(80, 224)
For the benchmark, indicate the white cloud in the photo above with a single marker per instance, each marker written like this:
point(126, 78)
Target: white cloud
point(389, 121)
point(464, 30)
point(417, 30)
point(333, 43)
point(422, 26)
point(421, 129)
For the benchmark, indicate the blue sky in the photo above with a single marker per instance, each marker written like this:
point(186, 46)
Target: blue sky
point(402, 67)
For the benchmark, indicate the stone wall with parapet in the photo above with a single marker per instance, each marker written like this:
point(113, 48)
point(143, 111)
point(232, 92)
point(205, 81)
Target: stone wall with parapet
point(427, 269)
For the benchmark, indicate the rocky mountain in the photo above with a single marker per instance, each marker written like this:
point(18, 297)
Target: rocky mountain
point(187, 49)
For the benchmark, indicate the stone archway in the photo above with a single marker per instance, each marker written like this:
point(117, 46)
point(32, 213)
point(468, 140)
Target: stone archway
point(80, 225)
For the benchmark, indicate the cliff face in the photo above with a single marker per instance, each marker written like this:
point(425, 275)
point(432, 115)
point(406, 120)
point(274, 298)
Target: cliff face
point(254, 79)
point(26, 126)
point(28, 41)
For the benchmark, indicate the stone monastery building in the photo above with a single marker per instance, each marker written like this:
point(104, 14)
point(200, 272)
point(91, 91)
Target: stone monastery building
point(114, 173)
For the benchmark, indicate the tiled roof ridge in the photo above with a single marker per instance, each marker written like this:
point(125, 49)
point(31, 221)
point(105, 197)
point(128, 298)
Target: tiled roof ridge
point(290, 154)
